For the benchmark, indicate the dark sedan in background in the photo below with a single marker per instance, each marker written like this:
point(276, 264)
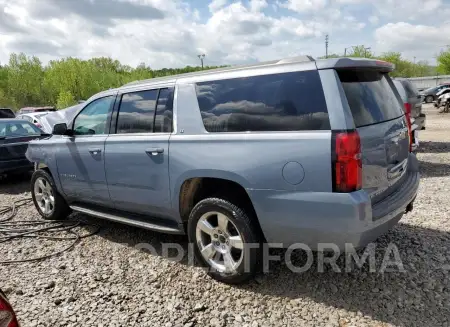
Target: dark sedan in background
point(429, 95)
point(14, 137)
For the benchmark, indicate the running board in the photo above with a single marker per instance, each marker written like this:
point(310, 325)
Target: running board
point(136, 222)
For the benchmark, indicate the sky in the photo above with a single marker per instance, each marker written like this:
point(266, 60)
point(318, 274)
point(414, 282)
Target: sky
point(171, 33)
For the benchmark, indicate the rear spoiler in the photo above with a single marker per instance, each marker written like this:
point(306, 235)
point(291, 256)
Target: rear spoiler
point(355, 63)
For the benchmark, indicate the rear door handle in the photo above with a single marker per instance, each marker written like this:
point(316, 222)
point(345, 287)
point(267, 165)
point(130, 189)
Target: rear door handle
point(95, 150)
point(154, 151)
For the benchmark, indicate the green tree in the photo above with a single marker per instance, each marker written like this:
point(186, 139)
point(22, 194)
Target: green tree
point(65, 99)
point(25, 76)
point(443, 60)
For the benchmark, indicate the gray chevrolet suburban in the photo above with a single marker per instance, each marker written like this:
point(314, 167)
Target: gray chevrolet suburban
point(288, 151)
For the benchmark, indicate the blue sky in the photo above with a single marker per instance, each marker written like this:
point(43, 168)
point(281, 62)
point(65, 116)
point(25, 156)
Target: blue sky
point(170, 33)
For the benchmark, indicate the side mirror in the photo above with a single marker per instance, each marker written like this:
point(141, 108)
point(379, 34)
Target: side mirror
point(60, 129)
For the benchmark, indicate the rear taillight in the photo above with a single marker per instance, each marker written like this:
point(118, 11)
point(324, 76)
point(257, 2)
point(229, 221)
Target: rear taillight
point(7, 316)
point(408, 123)
point(347, 164)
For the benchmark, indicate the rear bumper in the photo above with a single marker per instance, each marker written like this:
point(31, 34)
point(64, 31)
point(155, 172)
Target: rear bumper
point(312, 218)
point(15, 165)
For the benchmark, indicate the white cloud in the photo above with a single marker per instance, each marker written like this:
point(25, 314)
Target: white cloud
point(216, 5)
point(170, 33)
point(374, 19)
point(258, 5)
point(304, 5)
point(421, 41)
point(408, 9)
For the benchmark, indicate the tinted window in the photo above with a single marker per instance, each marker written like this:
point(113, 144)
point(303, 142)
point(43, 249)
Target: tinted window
point(6, 113)
point(164, 111)
point(279, 102)
point(370, 96)
point(93, 117)
point(18, 129)
point(136, 112)
point(410, 89)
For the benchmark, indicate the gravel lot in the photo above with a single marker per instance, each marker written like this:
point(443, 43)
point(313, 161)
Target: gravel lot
point(106, 281)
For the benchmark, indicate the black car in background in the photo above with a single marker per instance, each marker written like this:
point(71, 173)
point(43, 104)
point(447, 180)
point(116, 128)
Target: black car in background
point(7, 315)
point(14, 137)
point(7, 113)
point(429, 95)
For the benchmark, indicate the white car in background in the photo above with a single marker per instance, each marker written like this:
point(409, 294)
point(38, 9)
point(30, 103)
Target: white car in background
point(36, 118)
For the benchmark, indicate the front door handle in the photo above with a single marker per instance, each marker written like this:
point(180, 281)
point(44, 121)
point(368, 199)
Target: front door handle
point(154, 151)
point(95, 150)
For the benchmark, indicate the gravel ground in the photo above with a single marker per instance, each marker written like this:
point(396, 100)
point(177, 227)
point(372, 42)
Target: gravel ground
point(106, 281)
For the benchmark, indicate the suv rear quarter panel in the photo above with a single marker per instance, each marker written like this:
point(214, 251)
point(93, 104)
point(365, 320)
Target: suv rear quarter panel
point(255, 160)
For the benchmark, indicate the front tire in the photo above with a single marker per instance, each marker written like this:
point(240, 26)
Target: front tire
point(48, 202)
point(429, 99)
point(225, 240)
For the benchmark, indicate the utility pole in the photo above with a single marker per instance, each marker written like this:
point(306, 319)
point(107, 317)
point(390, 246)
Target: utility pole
point(326, 46)
point(201, 57)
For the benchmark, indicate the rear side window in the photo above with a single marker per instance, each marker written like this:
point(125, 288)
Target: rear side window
point(164, 111)
point(136, 112)
point(278, 102)
point(370, 96)
point(148, 111)
point(410, 89)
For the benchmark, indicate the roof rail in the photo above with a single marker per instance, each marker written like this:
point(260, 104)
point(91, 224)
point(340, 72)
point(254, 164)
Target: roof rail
point(295, 59)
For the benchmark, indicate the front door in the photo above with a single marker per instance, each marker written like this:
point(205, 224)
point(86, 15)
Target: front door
point(137, 156)
point(80, 158)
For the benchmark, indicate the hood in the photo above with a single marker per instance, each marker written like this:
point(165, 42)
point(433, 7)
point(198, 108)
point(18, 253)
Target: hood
point(61, 116)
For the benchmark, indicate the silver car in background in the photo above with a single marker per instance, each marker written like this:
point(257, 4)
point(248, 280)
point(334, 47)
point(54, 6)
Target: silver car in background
point(36, 118)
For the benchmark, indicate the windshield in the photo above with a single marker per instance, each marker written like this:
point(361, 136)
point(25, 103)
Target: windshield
point(18, 129)
point(430, 89)
point(370, 96)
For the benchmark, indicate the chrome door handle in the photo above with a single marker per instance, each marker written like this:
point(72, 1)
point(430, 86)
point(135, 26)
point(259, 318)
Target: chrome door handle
point(154, 151)
point(95, 150)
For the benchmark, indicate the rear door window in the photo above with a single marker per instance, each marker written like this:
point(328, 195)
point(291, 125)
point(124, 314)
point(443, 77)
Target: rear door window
point(279, 102)
point(164, 111)
point(370, 96)
point(136, 112)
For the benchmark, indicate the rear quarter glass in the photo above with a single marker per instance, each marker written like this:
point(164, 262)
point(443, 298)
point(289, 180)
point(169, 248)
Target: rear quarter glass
point(276, 102)
point(371, 96)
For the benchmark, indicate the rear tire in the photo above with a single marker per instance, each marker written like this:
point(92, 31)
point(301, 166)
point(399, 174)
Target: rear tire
point(220, 232)
point(48, 202)
point(429, 99)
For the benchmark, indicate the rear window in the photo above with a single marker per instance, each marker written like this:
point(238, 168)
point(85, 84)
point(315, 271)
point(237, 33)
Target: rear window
point(410, 89)
point(370, 96)
point(278, 102)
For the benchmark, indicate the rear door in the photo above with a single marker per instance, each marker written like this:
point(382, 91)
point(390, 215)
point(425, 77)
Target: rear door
point(137, 155)
point(379, 119)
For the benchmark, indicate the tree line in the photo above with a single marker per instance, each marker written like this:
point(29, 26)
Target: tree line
point(403, 67)
point(25, 81)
